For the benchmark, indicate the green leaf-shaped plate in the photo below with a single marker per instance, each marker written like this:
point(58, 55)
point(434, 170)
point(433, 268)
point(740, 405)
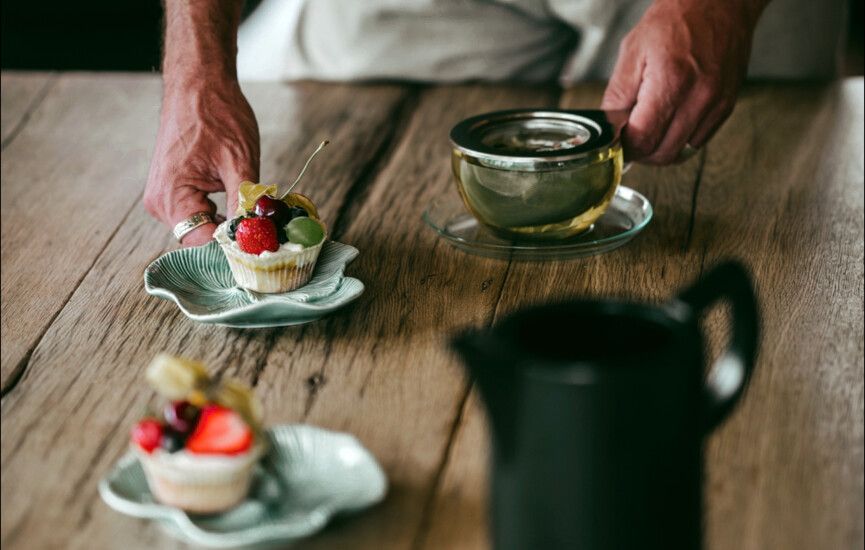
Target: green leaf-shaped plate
point(307, 476)
point(199, 281)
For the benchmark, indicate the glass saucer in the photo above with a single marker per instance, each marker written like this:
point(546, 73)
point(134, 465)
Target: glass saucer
point(629, 212)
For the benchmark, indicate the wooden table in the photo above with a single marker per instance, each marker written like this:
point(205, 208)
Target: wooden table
point(780, 187)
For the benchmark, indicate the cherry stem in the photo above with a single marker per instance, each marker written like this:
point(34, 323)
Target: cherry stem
point(305, 166)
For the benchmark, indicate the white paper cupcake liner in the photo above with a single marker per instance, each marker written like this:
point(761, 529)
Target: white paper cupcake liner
point(270, 272)
point(199, 486)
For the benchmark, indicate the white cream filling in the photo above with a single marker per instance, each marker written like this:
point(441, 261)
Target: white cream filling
point(221, 236)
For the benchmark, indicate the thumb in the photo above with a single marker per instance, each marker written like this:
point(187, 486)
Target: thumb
point(624, 85)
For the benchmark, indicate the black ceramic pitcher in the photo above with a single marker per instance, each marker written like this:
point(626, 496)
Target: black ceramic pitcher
point(599, 410)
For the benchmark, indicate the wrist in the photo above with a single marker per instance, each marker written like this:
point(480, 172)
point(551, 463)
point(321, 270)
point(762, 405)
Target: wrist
point(200, 42)
point(197, 78)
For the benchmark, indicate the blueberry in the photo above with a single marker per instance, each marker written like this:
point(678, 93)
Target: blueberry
point(297, 212)
point(281, 234)
point(232, 226)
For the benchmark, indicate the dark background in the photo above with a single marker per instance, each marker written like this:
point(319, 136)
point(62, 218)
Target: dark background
point(82, 35)
point(110, 35)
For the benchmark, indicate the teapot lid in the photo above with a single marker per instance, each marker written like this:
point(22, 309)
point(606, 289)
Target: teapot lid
point(527, 138)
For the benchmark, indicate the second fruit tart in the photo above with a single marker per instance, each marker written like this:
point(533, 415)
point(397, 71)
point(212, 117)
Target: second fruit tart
point(199, 453)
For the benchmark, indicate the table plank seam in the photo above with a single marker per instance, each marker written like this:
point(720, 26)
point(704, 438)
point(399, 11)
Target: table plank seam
point(356, 195)
point(694, 199)
point(18, 373)
point(435, 486)
point(40, 96)
point(426, 512)
point(316, 381)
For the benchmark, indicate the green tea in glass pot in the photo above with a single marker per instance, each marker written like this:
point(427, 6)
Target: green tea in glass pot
point(538, 174)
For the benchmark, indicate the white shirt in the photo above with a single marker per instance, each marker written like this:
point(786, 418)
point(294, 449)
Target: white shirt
point(494, 40)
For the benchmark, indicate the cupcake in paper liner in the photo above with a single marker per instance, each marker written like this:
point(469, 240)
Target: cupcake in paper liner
point(199, 483)
point(199, 454)
point(272, 245)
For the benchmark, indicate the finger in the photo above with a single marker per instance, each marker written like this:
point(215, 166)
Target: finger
point(239, 162)
point(719, 113)
point(661, 94)
point(199, 236)
point(189, 202)
point(685, 121)
point(624, 84)
point(231, 179)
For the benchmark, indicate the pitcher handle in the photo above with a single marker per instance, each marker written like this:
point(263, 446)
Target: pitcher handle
point(729, 376)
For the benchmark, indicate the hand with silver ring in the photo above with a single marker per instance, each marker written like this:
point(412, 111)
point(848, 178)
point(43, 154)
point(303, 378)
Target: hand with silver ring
point(678, 73)
point(208, 142)
point(208, 137)
point(191, 223)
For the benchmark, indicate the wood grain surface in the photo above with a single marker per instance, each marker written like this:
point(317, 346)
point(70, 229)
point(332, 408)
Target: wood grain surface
point(787, 470)
point(70, 177)
point(780, 187)
point(66, 420)
point(22, 93)
point(395, 385)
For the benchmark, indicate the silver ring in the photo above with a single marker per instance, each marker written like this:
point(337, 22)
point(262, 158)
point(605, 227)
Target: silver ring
point(196, 220)
point(687, 152)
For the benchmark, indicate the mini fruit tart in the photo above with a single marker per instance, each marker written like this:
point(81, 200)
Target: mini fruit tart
point(199, 453)
point(273, 243)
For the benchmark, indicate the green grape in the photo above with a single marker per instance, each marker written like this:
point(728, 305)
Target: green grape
point(304, 231)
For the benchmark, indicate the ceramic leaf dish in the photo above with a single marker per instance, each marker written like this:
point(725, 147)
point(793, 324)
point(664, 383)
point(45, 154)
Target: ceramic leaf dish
point(199, 281)
point(307, 476)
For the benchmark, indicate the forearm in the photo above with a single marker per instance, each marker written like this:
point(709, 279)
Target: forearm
point(200, 41)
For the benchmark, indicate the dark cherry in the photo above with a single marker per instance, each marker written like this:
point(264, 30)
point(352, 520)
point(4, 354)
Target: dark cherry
point(273, 208)
point(172, 441)
point(181, 416)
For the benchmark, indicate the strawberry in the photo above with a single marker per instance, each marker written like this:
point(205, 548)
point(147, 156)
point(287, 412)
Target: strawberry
point(255, 235)
point(220, 431)
point(147, 434)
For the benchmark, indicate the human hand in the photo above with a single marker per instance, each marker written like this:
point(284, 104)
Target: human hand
point(678, 73)
point(207, 142)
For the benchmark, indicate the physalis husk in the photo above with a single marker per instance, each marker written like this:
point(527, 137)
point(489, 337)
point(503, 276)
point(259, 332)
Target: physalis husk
point(249, 192)
point(175, 378)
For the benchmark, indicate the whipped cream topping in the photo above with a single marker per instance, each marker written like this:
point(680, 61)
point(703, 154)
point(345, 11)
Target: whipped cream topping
point(221, 236)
